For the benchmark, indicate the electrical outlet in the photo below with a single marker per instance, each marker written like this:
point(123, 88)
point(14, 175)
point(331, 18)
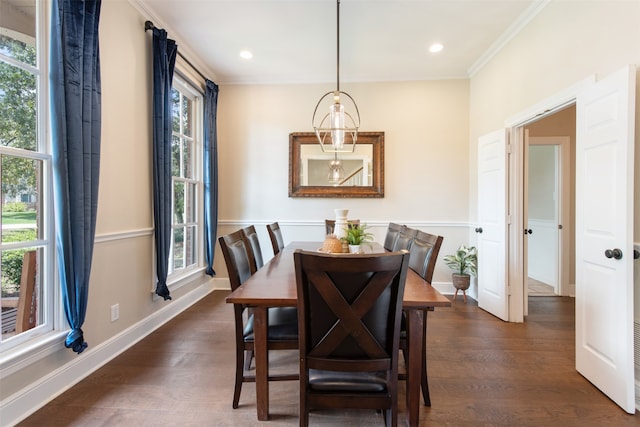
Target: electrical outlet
point(115, 312)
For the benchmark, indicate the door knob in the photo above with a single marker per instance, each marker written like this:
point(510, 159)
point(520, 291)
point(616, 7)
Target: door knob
point(613, 253)
point(528, 231)
point(636, 254)
point(478, 229)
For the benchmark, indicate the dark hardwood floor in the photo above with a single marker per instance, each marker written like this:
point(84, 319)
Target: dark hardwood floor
point(482, 372)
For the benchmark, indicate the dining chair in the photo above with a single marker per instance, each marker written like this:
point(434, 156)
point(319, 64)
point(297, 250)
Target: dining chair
point(275, 235)
point(392, 234)
point(349, 310)
point(252, 236)
point(329, 226)
point(283, 321)
point(424, 253)
point(404, 239)
point(422, 259)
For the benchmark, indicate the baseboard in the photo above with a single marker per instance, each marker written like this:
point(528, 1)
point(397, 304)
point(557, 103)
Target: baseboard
point(636, 365)
point(20, 405)
point(221, 284)
point(445, 288)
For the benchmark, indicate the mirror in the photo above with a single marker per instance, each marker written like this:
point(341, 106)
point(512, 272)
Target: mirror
point(363, 169)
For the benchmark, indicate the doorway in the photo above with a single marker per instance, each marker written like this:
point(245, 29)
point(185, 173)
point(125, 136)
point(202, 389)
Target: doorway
point(549, 205)
point(603, 216)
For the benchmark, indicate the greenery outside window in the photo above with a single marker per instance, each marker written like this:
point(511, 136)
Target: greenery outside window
point(186, 155)
point(26, 252)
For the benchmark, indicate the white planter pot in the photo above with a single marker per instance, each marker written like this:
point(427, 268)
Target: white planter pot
point(354, 249)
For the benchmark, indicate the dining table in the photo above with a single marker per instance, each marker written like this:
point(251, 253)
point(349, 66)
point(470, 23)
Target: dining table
point(274, 285)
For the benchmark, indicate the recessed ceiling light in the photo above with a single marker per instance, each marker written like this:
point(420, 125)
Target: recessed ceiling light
point(435, 48)
point(246, 54)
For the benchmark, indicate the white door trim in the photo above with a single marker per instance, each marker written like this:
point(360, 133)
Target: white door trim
point(549, 105)
point(516, 124)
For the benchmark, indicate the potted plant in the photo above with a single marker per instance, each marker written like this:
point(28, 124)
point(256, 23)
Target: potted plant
point(356, 235)
point(464, 265)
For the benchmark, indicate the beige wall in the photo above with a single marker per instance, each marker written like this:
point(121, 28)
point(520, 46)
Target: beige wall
point(123, 261)
point(565, 44)
point(431, 131)
point(569, 41)
point(426, 157)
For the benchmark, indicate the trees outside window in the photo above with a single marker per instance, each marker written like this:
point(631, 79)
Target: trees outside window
point(186, 150)
point(27, 287)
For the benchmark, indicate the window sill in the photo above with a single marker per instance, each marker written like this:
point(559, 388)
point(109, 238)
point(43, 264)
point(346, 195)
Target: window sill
point(30, 352)
point(176, 281)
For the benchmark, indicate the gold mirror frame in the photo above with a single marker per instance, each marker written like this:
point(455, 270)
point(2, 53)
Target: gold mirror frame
point(296, 189)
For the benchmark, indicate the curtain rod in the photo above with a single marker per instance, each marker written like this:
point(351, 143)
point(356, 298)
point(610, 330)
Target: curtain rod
point(148, 25)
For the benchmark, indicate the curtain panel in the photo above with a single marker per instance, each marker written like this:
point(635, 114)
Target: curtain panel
point(164, 60)
point(75, 101)
point(210, 173)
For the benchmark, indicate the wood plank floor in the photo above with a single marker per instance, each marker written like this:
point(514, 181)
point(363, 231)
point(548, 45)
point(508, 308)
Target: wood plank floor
point(537, 288)
point(482, 372)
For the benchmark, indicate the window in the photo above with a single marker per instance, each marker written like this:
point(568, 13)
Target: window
point(186, 150)
point(26, 251)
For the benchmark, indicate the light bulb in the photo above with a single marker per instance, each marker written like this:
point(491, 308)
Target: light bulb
point(336, 118)
point(336, 173)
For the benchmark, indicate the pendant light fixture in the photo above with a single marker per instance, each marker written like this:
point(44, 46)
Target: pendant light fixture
point(337, 130)
point(336, 172)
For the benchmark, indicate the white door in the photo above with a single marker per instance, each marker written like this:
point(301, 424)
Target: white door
point(492, 224)
point(604, 226)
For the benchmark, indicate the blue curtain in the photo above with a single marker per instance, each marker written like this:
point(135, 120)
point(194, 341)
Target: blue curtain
point(164, 60)
point(210, 175)
point(75, 130)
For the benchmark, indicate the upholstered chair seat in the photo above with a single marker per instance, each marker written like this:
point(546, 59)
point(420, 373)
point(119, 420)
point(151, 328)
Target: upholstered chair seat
point(283, 325)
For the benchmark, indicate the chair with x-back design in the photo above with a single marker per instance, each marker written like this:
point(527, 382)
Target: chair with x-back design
point(349, 309)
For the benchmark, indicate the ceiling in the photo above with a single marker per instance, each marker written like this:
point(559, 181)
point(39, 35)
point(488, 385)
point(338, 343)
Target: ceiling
point(294, 41)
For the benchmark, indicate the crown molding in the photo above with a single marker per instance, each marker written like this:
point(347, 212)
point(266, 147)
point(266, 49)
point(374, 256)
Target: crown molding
point(513, 30)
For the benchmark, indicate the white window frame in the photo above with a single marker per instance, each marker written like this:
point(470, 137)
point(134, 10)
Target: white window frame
point(34, 344)
point(177, 278)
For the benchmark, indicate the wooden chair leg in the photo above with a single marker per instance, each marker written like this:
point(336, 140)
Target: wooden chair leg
point(239, 378)
point(424, 382)
point(248, 359)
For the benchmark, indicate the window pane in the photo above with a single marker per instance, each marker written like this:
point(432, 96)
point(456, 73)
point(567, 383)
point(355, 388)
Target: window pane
point(178, 248)
point(186, 116)
point(20, 279)
point(18, 105)
point(175, 110)
point(175, 156)
point(21, 184)
point(178, 202)
point(190, 251)
point(190, 204)
point(17, 45)
point(187, 159)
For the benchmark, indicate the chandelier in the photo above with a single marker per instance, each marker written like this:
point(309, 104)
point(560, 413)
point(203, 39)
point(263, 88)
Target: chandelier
point(337, 130)
point(336, 172)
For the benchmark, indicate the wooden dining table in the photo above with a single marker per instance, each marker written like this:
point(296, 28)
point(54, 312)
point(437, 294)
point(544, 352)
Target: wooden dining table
point(274, 285)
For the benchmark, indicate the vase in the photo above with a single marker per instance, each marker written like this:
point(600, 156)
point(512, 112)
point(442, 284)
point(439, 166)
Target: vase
point(354, 249)
point(341, 222)
point(461, 282)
